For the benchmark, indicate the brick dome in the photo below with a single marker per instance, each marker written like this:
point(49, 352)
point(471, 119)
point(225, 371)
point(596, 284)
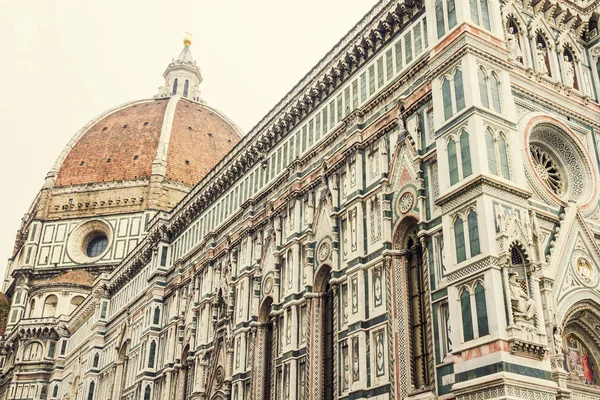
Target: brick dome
point(177, 138)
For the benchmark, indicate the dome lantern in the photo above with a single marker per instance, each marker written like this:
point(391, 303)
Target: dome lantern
point(182, 76)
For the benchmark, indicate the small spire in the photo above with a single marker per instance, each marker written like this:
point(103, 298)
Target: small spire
point(182, 76)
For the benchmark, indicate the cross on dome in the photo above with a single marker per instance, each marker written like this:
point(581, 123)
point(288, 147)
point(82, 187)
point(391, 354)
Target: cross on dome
point(182, 76)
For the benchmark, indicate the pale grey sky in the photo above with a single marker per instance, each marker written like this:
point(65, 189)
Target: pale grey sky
point(66, 61)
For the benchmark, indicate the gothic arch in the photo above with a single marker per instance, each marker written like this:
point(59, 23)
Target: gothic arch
point(322, 277)
point(580, 345)
point(413, 342)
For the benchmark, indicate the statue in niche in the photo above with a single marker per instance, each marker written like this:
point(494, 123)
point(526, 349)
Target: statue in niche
point(540, 58)
point(513, 45)
point(523, 307)
point(569, 72)
point(558, 342)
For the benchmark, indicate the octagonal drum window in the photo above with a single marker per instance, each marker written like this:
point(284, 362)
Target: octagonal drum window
point(97, 245)
point(89, 241)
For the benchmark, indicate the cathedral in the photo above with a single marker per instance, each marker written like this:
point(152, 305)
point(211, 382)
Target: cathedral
point(418, 218)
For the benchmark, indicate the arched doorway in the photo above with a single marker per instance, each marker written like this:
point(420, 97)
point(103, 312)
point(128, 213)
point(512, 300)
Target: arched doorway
point(578, 347)
point(413, 344)
point(121, 371)
point(323, 318)
point(183, 382)
point(264, 389)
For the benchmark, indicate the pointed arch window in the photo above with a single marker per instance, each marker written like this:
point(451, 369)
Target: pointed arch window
point(480, 13)
point(503, 153)
point(55, 391)
point(466, 236)
point(465, 154)
point(490, 147)
point(459, 240)
point(473, 234)
point(495, 89)
point(91, 391)
point(186, 86)
point(156, 318)
point(440, 18)
point(175, 86)
point(481, 310)
point(147, 392)
point(459, 90)
point(445, 16)
point(447, 98)
point(451, 6)
point(483, 87)
point(489, 87)
point(497, 153)
point(467, 315)
point(96, 360)
point(452, 161)
point(151, 354)
point(453, 94)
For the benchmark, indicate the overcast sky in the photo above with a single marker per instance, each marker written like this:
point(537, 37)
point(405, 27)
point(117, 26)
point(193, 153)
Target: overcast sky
point(66, 61)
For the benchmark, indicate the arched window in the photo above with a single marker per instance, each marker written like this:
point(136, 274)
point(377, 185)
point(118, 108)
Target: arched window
point(147, 392)
point(503, 153)
point(32, 308)
point(490, 147)
point(483, 87)
point(50, 306)
point(480, 13)
point(481, 308)
point(459, 92)
point(44, 392)
point(459, 240)
point(33, 352)
point(496, 151)
point(151, 354)
point(452, 161)
point(91, 391)
point(156, 318)
point(445, 16)
point(75, 302)
point(55, 391)
point(96, 360)
point(186, 86)
point(465, 154)
point(451, 13)
point(495, 89)
point(174, 87)
point(473, 233)
point(467, 317)
point(439, 18)
point(447, 98)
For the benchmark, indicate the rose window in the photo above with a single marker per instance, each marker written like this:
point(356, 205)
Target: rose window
point(560, 167)
point(547, 169)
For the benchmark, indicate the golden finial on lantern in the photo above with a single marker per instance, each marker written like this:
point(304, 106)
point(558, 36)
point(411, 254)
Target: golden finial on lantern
point(187, 40)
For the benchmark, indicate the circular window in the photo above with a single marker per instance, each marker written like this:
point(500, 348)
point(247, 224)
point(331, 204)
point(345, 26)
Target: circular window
point(97, 246)
point(560, 166)
point(89, 241)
